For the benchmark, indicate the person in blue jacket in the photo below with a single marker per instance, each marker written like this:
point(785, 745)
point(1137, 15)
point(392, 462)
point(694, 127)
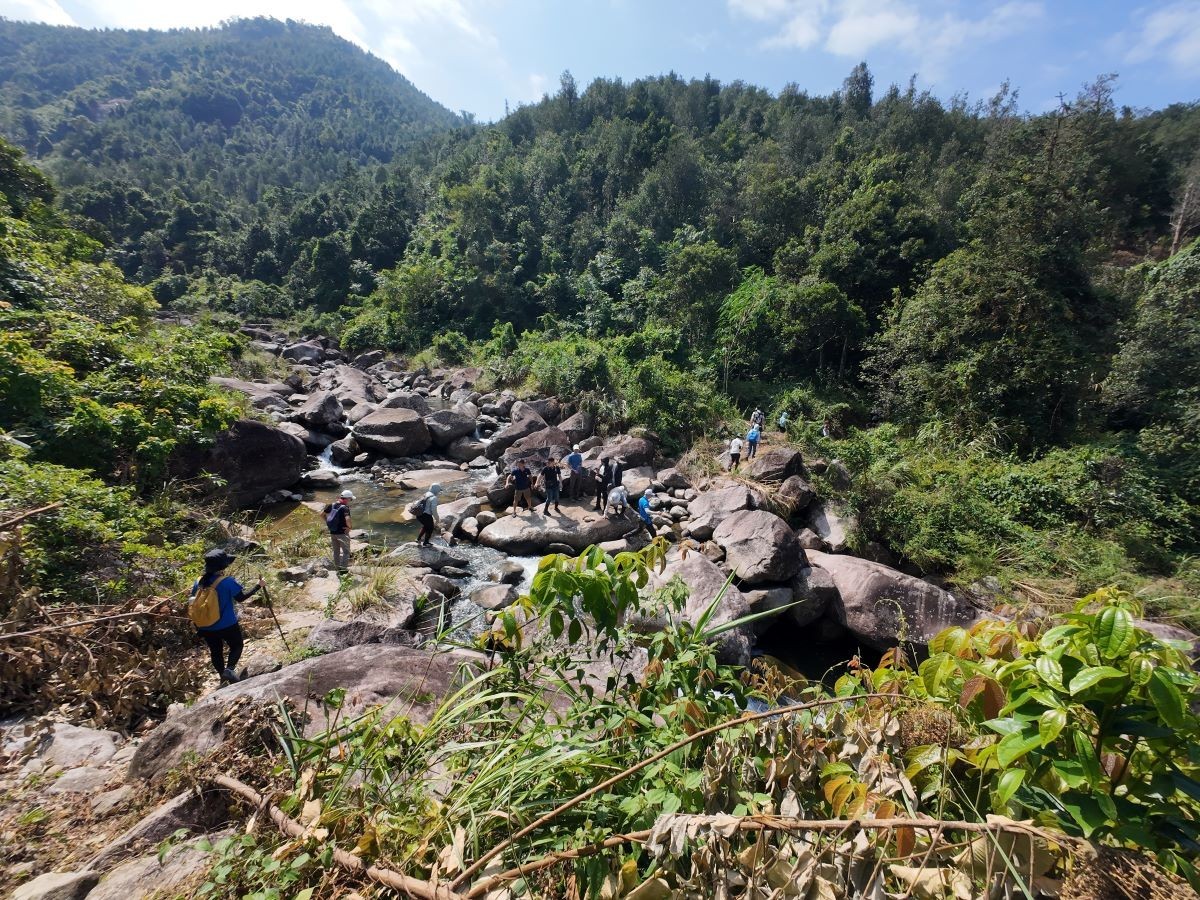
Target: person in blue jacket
point(225, 631)
point(752, 437)
point(643, 510)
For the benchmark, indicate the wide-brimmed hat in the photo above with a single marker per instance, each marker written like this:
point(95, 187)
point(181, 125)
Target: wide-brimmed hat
point(348, 495)
point(218, 558)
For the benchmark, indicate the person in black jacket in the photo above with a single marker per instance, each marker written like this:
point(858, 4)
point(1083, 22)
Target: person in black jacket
point(602, 481)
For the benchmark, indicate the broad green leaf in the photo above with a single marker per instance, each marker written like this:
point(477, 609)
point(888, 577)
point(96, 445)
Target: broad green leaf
point(935, 671)
point(1086, 812)
point(1086, 754)
point(1167, 699)
point(1007, 785)
point(1012, 747)
point(953, 641)
point(1050, 671)
point(1092, 676)
point(1051, 724)
point(1114, 632)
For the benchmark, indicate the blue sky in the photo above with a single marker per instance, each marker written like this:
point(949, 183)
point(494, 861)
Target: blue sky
point(477, 54)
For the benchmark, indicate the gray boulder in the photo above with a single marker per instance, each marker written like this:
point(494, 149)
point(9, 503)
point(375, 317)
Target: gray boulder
point(813, 591)
point(795, 495)
point(536, 449)
point(394, 432)
point(320, 410)
point(368, 359)
point(830, 526)
point(57, 886)
point(713, 506)
point(152, 875)
point(674, 480)
point(71, 745)
point(194, 810)
point(549, 409)
point(632, 451)
point(465, 449)
point(316, 441)
point(522, 426)
point(343, 450)
point(400, 679)
point(261, 396)
point(406, 400)
point(776, 465)
point(578, 427)
point(446, 426)
point(253, 459)
point(810, 540)
point(882, 606)
point(309, 353)
point(577, 528)
point(332, 635)
point(759, 546)
point(494, 596)
point(705, 582)
point(430, 557)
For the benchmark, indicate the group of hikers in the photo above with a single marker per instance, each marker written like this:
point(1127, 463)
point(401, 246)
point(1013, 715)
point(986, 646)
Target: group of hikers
point(214, 595)
point(569, 475)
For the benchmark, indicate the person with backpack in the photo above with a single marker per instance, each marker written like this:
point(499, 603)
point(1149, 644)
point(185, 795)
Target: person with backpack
point(758, 419)
point(522, 484)
point(643, 511)
point(337, 517)
point(550, 480)
point(575, 470)
point(783, 421)
point(425, 511)
point(752, 438)
point(602, 481)
point(212, 610)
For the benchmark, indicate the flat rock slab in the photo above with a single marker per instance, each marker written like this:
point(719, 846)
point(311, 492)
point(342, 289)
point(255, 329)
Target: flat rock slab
point(402, 680)
point(148, 876)
point(575, 527)
point(84, 780)
point(421, 479)
point(57, 886)
point(71, 746)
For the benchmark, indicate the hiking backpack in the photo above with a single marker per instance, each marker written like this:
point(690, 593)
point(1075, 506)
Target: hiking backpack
point(417, 507)
point(204, 609)
point(333, 517)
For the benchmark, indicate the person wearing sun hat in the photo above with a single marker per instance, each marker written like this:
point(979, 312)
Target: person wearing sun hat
point(337, 517)
point(574, 463)
point(643, 511)
point(225, 631)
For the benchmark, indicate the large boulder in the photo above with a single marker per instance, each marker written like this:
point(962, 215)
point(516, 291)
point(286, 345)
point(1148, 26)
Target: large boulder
point(167, 874)
point(425, 557)
point(536, 449)
point(578, 427)
point(332, 635)
point(794, 495)
point(813, 591)
point(830, 526)
point(494, 596)
point(357, 391)
point(575, 527)
point(882, 606)
point(310, 353)
point(406, 400)
point(637, 479)
point(759, 546)
point(320, 410)
point(713, 506)
point(72, 745)
point(261, 396)
point(672, 479)
point(315, 441)
point(453, 514)
point(465, 449)
point(776, 465)
point(394, 432)
point(705, 582)
point(57, 886)
point(632, 451)
point(343, 451)
point(464, 378)
point(446, 426)
point(523, 425)
point(403, 680)
point(251, 459)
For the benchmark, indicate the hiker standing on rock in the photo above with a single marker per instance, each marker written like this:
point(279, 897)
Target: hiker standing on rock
point(337, 517)
point(550, 481)
point(735, 453)
point(752, 437)
point(602, 481)
point(213, 611)
point(575, 464)
point(643, 511)
point(426, 513)
point(522, 483)
point(758, 419)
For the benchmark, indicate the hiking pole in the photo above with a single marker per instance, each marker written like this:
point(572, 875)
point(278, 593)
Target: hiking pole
point(271, 610)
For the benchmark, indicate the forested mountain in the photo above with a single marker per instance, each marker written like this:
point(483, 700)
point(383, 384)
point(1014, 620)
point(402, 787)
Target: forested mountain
point(166, 138)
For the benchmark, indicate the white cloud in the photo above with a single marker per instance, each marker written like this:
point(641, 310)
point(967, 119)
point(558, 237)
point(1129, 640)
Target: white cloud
point(1171, 33)
point(852, 28)
point(49, 11)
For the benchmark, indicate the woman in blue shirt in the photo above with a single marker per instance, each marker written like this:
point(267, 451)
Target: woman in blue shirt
point(226, 630)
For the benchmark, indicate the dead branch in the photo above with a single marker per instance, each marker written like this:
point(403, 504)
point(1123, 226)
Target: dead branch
point(407, 885)
point(4, 526)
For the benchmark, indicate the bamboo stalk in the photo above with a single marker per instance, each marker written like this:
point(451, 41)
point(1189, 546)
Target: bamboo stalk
point(412, 887)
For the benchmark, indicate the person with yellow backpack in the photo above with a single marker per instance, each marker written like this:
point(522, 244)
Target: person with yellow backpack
point(214, 614)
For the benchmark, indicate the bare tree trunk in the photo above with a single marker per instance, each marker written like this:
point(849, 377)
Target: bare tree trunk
point(1186, 213)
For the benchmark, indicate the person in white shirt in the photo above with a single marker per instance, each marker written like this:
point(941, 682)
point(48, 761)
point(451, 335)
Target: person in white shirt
point(735, 453)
